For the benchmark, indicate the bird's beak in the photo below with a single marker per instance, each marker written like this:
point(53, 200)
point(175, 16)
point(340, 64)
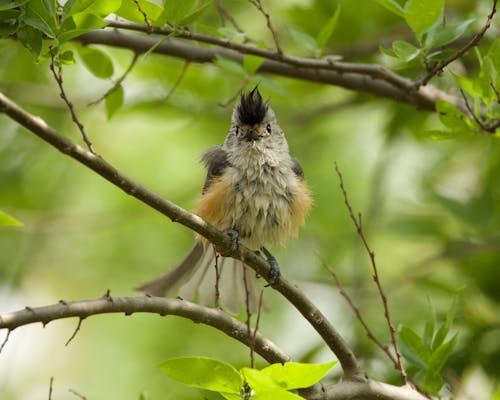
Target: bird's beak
point(252, 135)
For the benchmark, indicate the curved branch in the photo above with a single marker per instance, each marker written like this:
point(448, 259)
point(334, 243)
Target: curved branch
point(350, 365)
point(370, 78)
point(144, 304)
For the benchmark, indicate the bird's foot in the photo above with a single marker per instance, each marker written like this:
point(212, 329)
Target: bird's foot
point(234, 237)
point(275, 268)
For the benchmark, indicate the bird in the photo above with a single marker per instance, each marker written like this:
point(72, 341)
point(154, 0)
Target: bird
point(254, 191)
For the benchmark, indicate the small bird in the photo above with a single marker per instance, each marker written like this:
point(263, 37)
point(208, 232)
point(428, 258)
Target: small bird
point(255, 191)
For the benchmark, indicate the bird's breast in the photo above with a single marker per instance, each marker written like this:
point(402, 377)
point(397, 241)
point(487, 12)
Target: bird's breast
point(265, 207)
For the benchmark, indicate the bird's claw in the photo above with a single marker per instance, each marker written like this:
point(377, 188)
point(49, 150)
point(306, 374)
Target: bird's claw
point(275, 268)
point(234, 236)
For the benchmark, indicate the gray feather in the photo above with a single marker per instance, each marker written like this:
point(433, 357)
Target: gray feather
point(216, 161)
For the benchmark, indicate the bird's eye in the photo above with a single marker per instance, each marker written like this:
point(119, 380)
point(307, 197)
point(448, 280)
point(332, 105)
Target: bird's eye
point(268, 128)
point(237, 130)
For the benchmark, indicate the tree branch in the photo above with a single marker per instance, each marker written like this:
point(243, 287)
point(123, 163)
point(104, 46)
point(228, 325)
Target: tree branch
point(369, 78)
point(145, 304)
point(346, 390)
point(369, 390)
point(350, 365)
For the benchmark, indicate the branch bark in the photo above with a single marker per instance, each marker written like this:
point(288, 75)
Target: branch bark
point(369, 78)
point(369, 390)
point(347, 359)
point(144, 304)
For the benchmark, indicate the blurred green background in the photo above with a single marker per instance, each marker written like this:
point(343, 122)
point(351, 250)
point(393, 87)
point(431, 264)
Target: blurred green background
point(431, 211)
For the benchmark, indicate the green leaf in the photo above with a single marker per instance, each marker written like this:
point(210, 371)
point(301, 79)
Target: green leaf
point(31, 38)
point(264, 387)
point(304, 40)
point(439, 35)
point(252, 63)
point(67, 58)
point(114, 101)
point(270, 84)
point(469, 85)
point(326, 31)
point(441, 354)
point(276, 394)
point(129, 10)
point(230, 65)
point(412, 346)
point(8, 22)
point(230, 33)
point(420, 15)
point(440, 55)
point(205, 373)
point(292, 375)
point(405, 51)
point(387, 52)
point(436, 134)
point(7, 220)
point(258, 380)
point(9, 4)
point(393, 6)
point(428, 333)
point(97, 62)
point(432, 382)
point(445, 328)
point(78, 24)
point(97, 7)
point(41, 15)
point(450, 116)
point(195, 14)
point(176, 10)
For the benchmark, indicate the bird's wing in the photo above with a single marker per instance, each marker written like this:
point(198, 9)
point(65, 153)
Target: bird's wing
point(216, 161)
point(297, 168)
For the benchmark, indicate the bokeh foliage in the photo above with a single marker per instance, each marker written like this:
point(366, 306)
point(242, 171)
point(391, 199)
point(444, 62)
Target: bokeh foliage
point(431, 208)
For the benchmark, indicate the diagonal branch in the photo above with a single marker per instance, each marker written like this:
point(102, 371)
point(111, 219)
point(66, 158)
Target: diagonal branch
point(369, 78)
point(144, 304)
point(347, 359)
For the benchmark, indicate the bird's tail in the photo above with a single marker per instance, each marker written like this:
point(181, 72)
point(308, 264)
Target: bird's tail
point(195, 279)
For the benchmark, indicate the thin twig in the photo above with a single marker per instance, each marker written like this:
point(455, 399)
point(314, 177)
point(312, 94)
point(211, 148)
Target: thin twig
point(118, 82)
point(144, 15)
point(473, 42)
point(358, 314)
point(77, 329)
point(224, 14)
point(485, 127)
point(56, 69)
point(5, 340)
point(256, 329)
point(497, 94)
point(217, 280)
point(358, 223)
point(258, 5)
point(178, 80)
point(51, 383)
point(248, 311)
point(80, 396)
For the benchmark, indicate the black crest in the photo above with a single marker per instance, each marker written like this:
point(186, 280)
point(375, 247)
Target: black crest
point(252, 109)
